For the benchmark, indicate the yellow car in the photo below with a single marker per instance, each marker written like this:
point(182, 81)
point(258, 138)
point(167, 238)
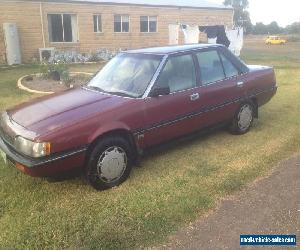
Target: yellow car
point(275, 40)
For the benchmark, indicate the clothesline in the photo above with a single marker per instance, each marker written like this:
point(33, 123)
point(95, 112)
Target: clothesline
point(216, 34)
point(182, 25)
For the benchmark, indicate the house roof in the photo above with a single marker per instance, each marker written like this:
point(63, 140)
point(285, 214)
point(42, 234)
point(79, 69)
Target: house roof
point(166, 3)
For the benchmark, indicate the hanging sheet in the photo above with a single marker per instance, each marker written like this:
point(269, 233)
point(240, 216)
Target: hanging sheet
point(191, 34)
point(236, 38)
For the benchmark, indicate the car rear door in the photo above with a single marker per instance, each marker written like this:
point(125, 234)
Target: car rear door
point(170, 115)
point(220, 90)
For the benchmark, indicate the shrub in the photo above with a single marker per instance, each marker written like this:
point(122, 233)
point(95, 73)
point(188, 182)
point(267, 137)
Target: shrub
point(56, 71)
point(44, 70)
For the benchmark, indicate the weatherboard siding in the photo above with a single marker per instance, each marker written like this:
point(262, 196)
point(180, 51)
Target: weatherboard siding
point(27, 17)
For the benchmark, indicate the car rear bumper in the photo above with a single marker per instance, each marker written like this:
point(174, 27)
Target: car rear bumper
point(46, 166)
point(265, 96)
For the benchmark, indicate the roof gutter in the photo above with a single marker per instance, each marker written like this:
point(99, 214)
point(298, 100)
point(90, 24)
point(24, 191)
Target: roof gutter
point(128, 4)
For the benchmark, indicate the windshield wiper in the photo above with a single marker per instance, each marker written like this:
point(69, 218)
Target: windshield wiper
point(95, 88)
point(119, 93)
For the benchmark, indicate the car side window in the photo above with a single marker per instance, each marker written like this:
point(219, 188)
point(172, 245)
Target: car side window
point(178, 74)
point(229, 68)
point(211, 68)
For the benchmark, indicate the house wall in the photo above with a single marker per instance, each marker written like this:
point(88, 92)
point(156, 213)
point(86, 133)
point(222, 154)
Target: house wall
point(28, 19)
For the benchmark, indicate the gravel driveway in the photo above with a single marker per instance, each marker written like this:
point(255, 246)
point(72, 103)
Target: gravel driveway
point(269, 206)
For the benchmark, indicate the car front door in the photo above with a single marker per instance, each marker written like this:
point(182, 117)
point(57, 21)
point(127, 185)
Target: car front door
point(169, 116)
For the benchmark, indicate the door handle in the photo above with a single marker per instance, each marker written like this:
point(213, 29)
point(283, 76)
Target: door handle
point(194, 97)
point(240, 84)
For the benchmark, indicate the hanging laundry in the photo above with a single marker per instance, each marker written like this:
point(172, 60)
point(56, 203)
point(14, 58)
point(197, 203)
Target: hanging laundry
point(173, 34)
point(216, 34)
point(221, 37)
point(236, 38)
point(191, 34)
point(212, 40)
point(211, 31)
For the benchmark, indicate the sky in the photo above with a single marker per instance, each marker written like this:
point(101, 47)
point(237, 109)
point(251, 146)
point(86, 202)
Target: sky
point(283, 11)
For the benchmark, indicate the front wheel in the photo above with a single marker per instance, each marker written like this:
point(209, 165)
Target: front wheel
point(110, 163)
point(243, 119)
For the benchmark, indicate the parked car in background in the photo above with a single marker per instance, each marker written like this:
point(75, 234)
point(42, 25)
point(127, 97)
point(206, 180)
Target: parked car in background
point(141, 98)
point(275, 40)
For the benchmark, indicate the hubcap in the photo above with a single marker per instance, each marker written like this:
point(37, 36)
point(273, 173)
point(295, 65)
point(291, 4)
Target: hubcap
point(245, 117)
point(112, 164)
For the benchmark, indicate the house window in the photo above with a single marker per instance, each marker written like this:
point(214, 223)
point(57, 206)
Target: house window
point(121, 23)
point(62, 27)
point(148, 23)
point(97, 23)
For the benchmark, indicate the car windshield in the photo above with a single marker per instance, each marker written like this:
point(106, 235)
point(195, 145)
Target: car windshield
point(126, 75)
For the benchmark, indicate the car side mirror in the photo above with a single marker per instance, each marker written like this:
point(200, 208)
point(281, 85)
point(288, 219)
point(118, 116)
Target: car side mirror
point(160, 91)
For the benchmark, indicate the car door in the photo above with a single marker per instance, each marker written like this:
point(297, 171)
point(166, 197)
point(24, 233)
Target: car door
point(169, 116)
point(220, 89)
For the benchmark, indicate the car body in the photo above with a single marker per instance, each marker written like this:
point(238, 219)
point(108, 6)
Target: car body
point(275, 40)
point(103, 126)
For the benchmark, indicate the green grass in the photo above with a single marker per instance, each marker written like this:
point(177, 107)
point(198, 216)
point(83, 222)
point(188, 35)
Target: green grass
point(177, 183)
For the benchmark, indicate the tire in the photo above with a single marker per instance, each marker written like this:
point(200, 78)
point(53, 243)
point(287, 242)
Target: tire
point(110, 163)
point(243, 119)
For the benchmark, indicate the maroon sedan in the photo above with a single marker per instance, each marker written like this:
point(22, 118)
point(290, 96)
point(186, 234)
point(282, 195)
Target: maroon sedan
point(139, 99)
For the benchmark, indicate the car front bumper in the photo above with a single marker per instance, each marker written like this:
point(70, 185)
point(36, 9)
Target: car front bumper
point(45, 166)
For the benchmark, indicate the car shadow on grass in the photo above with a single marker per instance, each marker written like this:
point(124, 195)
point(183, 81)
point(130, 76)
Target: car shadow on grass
point(71, 175)
point(166, 147)
point(182, 141)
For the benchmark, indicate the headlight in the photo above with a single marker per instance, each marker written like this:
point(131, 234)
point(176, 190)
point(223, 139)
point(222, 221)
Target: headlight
point(32, 149)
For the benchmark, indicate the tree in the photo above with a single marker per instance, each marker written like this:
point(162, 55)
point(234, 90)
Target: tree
point(241, 15)
point(262, 29)
point(273, 28)
point(247, 24)
point(294, 28)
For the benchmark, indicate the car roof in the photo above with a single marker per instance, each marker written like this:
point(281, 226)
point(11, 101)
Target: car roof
point(166, 50)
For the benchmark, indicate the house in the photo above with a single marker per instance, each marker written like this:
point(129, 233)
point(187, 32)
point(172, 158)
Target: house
point(85, 26)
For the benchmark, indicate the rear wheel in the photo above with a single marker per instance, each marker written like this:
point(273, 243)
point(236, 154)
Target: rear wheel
point(243, 119)
point(110, 163)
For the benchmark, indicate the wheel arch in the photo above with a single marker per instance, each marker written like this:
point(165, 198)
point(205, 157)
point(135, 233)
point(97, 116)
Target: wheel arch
point(121, 132)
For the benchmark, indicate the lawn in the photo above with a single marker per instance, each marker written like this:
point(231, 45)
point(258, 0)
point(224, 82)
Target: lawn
point(175, 185)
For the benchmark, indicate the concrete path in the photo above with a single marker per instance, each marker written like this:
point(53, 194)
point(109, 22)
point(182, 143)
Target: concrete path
point(269, 206)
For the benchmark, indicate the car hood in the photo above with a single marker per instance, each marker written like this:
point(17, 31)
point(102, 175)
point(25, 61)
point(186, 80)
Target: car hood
point(48, 113)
